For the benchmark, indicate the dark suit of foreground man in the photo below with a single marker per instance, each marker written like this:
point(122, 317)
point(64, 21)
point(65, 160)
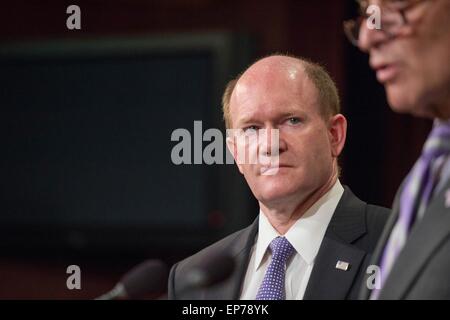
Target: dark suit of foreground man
point(411, 58)
point(313, 237)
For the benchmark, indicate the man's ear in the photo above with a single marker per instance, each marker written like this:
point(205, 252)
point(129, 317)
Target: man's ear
point(337, 129)
point(231, 145)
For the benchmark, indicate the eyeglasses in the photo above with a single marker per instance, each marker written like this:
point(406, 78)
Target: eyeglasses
point(392, 18)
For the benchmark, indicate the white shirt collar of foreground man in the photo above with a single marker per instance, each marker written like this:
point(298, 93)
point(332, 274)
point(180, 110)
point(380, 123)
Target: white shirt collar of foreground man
point(442, 164)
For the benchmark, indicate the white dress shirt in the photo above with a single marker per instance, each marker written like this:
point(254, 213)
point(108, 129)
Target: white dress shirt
point(305, 235)
point(442, 165)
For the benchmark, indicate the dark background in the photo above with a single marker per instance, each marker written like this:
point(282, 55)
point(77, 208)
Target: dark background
point(381, 146)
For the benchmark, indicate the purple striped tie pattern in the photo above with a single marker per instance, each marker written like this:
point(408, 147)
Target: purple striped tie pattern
point(273, 285)
point(414, 198)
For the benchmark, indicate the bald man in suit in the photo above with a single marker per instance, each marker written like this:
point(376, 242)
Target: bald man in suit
point(313, 237)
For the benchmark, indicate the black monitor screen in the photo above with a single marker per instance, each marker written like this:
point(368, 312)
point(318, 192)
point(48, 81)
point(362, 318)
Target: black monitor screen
point(86, 139)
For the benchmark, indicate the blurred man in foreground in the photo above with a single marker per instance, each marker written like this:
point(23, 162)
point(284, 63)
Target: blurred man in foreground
point(410, 55)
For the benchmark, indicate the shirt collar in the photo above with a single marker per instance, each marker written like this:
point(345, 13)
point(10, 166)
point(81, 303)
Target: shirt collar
point(307, 233)
point(440, 122)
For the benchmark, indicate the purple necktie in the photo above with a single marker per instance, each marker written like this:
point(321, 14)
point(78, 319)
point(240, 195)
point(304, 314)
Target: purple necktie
point(272, 287)
point(414, 198)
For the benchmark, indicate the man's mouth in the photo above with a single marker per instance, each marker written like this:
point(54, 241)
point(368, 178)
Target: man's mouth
point(271, 170)
point(385, 71)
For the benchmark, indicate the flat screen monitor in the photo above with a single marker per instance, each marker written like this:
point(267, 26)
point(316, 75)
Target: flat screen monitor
point(85, 133)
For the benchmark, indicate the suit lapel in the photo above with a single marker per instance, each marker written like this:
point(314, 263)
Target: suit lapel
point(425, 237)
point(376, 257)
point(230, 289)
point(378, 252)
point(347, 225)
point(328, 282)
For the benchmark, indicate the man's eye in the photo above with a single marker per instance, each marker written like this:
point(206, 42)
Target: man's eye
point(294, 120)
point(394, 5)
point(397, 5)
point(397, 2)
point(250, 129)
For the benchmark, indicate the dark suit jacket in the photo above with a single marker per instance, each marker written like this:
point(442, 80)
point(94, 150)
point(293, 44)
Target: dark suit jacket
point(422, 269)
point(351, 236)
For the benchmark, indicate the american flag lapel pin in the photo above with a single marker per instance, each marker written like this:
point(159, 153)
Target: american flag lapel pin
point(342, 265)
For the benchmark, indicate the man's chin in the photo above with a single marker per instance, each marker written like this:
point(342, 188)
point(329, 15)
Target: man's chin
point(399, 100)
point(274, 195)
point(405, 104)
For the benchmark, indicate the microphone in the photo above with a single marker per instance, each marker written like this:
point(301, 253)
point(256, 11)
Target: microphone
point(207, 272)
point(147, 278)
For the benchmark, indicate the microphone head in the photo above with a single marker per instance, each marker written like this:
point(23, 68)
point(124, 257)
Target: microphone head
point(147, 278)
point(209, 271)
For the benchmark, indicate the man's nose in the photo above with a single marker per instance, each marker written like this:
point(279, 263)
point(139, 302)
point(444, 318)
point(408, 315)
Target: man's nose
point(370, 37)
point(271, 143)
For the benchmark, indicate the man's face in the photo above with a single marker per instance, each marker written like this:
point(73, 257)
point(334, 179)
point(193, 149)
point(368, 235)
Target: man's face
point(283, 99)
point(414, 65)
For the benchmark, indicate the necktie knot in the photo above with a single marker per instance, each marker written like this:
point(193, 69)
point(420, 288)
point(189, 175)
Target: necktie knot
point(281, 248)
